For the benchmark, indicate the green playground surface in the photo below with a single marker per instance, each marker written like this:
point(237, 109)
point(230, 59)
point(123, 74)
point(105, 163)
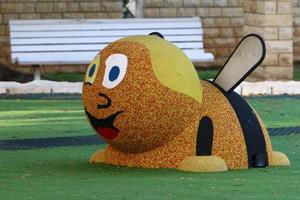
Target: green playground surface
point(64, 172)
point(40, 118)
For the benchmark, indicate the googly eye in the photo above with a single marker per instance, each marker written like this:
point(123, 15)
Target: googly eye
point(92, 70)
point(116, 67)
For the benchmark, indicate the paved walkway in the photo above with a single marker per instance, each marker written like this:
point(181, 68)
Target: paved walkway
point(47, 87)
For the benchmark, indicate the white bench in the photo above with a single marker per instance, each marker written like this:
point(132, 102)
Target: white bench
point(55, 42)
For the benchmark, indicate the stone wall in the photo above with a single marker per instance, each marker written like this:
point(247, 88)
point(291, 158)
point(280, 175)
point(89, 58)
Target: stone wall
point(296, 30)
point(273, 20)
point(52, 9)
point(223, 21)
point(226, 21)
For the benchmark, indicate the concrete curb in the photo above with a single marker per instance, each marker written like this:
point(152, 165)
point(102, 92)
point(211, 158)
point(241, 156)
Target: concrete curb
point(42, 86)
point(48, 87)
point(269, 88)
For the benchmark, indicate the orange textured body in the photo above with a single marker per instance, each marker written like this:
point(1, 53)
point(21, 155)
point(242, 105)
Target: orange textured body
point(150, 118)
point(228, 143)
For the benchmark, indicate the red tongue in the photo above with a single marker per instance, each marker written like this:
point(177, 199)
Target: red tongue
point(107, 133)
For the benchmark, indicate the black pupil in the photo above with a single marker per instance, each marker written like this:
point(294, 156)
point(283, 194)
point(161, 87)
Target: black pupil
point(92, 70)
point(114, 73)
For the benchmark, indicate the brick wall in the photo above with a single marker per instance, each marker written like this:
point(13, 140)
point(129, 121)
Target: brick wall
point(52, 9)
point(273, 20)
point(223, 21)
point(296, 30)
point(224, 25)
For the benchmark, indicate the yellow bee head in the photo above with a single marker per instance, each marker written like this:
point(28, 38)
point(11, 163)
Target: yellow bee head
point(140, 92)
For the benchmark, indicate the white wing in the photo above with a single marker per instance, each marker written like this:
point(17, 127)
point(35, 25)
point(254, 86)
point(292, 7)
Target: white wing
point(247, 56)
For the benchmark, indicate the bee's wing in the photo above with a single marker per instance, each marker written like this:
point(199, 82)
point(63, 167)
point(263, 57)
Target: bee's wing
point(247, 56)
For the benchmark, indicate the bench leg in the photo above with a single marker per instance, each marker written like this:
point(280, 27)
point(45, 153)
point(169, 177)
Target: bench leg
point(37, 72)
point(139, 12)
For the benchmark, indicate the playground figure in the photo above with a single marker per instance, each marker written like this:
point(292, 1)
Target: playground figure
point(142, 95)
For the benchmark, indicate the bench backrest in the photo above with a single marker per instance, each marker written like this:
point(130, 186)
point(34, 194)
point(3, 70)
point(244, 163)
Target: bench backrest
point(38, 42)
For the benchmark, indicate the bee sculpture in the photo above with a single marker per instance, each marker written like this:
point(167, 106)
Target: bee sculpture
point(142, 95)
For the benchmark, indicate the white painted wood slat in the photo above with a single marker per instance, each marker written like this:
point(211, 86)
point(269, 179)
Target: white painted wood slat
point(78, 41)
point(121, 26)
point(43, 58)
point(90, 40)
point(87, 47)
point(102, 21)
point(104, 33)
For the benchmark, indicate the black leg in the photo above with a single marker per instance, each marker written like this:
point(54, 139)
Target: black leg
point(204, 137)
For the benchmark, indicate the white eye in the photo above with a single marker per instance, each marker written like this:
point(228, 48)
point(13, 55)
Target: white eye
point(115, 70)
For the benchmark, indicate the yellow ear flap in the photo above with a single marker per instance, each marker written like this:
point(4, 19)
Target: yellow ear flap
point(92, 70)
point(167, 69)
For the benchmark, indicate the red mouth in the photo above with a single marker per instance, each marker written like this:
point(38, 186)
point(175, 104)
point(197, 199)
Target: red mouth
point(105, 127)
point(107, 133)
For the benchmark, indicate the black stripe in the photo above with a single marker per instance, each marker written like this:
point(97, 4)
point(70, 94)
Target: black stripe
point(252, 130)
point(253, 133)
point(204, 137)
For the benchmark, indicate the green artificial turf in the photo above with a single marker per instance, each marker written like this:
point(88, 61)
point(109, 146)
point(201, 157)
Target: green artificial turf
point(55, 118)
point(277, 111)
point(64, 173)
point(207, 74)
point(202, 73)
point(42, 118)
point(64, 76)
point(211, 73)
point(297, 73)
